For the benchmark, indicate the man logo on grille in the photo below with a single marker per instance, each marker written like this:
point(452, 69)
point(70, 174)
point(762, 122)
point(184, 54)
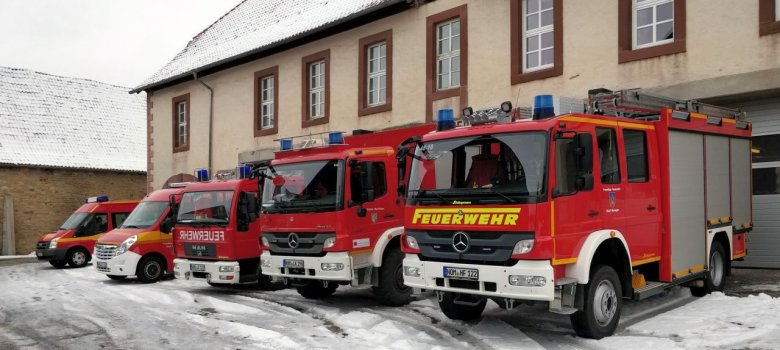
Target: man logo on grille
point(292, 240)
point(460, 242)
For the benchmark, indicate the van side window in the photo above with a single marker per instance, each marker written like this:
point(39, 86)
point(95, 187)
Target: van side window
point(636, 155)
point(608, 156)
point(96, 224)
point(118, 219)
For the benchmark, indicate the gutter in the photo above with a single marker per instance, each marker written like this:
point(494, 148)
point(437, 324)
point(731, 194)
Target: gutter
point(183, 76)
point(211, 112)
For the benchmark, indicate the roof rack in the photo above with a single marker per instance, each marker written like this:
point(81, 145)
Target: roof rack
point(643, 105)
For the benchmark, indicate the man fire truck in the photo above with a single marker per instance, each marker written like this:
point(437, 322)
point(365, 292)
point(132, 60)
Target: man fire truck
point(578, 210)
point(332, 215)
point(143, 245)
point(73, 242)
point(216, 232)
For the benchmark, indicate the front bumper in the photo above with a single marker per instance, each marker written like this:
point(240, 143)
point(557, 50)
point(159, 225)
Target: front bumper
point(493, 280)
point(183, 268)
point(121, 265)
point(273, 265)
point(51, 253)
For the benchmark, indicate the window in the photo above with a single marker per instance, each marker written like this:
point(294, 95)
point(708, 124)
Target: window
point(376, 73)
point(636, 155)
point(768, 17)
point(766, 164)
point(118, 219)
point(446, 60)
point(316, 89)
point(766, 181)
point(536, 39)
point(608, 156)
point(650, 28)
point(448, 54)
point(181, 123)
point(96, 223)
point(266, 101)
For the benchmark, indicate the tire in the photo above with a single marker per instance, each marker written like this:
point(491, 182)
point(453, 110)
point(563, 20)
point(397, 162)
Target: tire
point(150, 269)
point(77, 257)
point(265, 283)
point(715, 280)
point(603, 303)
point(459, 311)
point(317, 289)
point(58, 263)
point(391, 290)
point(116, 277)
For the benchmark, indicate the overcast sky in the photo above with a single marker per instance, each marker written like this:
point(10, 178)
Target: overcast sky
point(120, 42)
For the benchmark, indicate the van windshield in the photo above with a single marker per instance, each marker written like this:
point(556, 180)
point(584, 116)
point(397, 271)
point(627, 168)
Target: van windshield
point(145, 215)
point(498, 168)
point(205, 208)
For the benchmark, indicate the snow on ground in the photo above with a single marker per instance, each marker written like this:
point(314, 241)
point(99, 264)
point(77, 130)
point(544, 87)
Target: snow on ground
point(46, 308)
point(8, 257)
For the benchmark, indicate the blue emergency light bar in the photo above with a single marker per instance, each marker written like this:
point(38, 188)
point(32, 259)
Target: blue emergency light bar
point(335, 138)
point(202, 174)
point(285, 144)
point(445, 120)
point(97, 199)
point(544, 107)
point(243, 171)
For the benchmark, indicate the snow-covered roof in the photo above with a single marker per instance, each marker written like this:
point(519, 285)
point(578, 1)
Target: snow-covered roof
point(257, 25)
point(54, 121)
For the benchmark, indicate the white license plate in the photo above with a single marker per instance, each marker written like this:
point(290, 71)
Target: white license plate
point(102, 265)
point(293, 264)
point(39, 254)
point(198, 267)
point(461, 273)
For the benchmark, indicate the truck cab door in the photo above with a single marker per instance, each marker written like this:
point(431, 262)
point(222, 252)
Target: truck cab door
point(372, 206)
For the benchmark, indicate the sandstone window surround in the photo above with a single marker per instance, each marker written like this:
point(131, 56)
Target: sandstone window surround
point(266, 102)
point(536, 30)
point(650, 28)
point(315, 73)
point(181, 123)
point(375, 60)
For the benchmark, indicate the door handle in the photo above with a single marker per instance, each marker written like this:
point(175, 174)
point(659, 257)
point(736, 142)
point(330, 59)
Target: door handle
point(593, 213)
point(650, 207)
point(388, 216)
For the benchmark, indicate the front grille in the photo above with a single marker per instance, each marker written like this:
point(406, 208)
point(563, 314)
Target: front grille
point(103, 269)
point(105, 252)
point(485, 247)
point(42, 245)
point(309, 243)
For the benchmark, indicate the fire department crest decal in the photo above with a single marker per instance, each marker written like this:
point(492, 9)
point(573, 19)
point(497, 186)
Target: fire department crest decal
point(612, 199)
point(374, 217)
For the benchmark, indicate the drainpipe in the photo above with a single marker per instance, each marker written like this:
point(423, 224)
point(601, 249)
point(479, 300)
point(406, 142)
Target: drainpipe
point(211, 113)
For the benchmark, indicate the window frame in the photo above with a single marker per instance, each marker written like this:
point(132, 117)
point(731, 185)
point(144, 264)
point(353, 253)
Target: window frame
point(449, 55)
point(644, 154)
point(768, 17)
point(433, 94)
point(518, 39)
point(258, 78)
point(306, 64)
point(617, 156)
point(175, 102)
point(653, 4)
point(626, 28)
point(363, 74)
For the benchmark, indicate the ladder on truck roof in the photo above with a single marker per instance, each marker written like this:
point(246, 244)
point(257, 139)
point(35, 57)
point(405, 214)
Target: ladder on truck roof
point(643, 105)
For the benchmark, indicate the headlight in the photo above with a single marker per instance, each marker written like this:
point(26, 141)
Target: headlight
point(53, 243)
point(523, 247)
point(125, 246)
point(411, 271)
point(330, 242)
point(332, 266)
point(226, 268)
point(264, 242)
point(411, 242)
point(527, 281)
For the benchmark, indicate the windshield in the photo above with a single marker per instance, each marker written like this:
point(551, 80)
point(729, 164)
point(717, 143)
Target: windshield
point(506, 168)
point(74, 221)
point(145, 215)
point(304, 187)
point(208, 207)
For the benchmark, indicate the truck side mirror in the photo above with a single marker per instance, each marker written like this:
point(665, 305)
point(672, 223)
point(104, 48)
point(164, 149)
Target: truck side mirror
point(585, 182)
point(584, 161)
point(174, 207)
point(167, 225)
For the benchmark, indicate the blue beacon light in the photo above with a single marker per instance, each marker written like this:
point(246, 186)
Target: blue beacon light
point(445, 120)
point(335, 138)
point(202, 174)
point(543, 107)
point(285, 144)
point(244, 170)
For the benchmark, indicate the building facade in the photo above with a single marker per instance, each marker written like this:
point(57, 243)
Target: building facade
point(265, 72)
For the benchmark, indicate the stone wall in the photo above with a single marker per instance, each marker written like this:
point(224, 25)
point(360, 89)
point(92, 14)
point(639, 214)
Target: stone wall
point(45, 197)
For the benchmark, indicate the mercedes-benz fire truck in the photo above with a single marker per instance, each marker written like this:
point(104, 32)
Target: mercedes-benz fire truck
point(333, 214)
point(578, 210)
point(142, 246)
point(217, 230)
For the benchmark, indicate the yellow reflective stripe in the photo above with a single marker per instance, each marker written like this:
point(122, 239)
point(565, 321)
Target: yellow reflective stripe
point(698, 115)
point(740, 255)
point(564, 261)
point(607, 122)
point(362, 251)
point(468, 210)
point(646, 261)
point(636, 126)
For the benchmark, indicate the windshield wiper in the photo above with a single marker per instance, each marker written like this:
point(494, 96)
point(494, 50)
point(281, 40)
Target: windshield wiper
point(129, 226)
point(508, 199)
point(424, 192)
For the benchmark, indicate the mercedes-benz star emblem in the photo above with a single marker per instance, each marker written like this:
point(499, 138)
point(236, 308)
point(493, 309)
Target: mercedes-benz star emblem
point(460, 242)
point(292, 240)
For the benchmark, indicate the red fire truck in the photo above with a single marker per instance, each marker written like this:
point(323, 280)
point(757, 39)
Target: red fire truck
point(73, 242)
point(216, 232)
point(578, 210)
point(142, 246)
point(332, 214)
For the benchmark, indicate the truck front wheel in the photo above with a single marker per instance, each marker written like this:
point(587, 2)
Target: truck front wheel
point(77, 257)
point(462, 307)
point(603, 301)
point(391, 290)
point(317, 289)
point(150, 269)
point(58, 263)
point(266, 282)
point(716, 278)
